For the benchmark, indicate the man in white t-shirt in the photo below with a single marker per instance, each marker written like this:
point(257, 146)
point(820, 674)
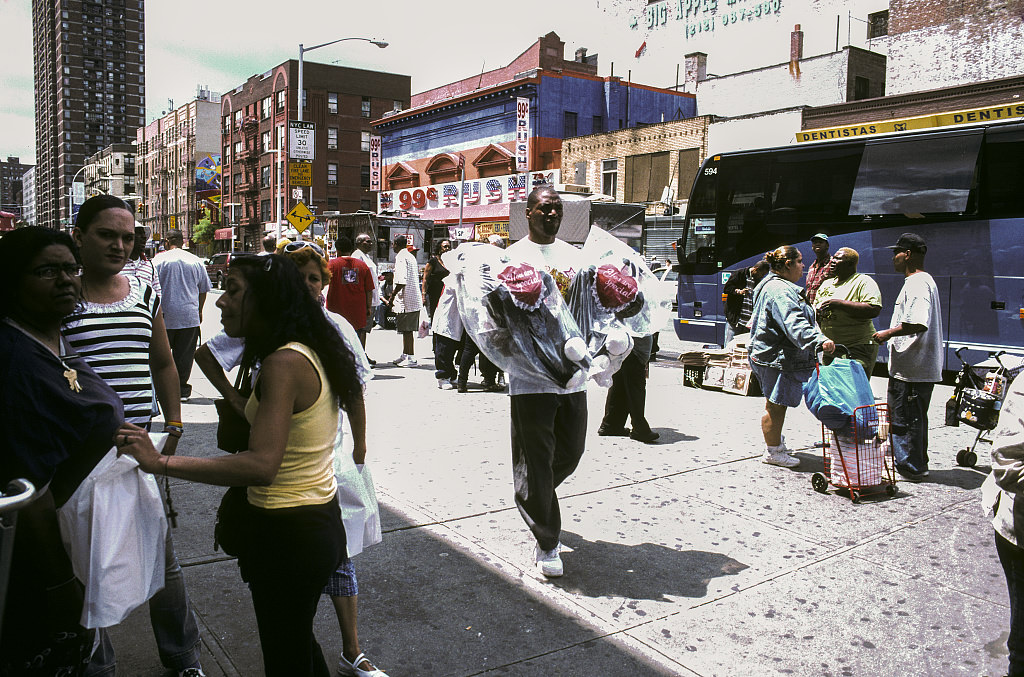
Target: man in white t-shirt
point(915, 357)
point(406, 299)
point(364, 245)
point(184, 284)
point(549, 423)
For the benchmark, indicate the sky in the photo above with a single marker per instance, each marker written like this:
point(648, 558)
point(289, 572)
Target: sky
point(220, 44)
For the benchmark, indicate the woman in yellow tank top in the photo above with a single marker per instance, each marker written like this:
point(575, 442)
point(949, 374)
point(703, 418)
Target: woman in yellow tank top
point(293, 535)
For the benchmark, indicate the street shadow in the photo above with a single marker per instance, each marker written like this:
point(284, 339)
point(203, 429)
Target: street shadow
point(643, 571)
point(669, 435)
point(962, 478)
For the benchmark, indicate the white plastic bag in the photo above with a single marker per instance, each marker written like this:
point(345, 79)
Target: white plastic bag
point(424, 327)
point(358, 499)
point(114, 529)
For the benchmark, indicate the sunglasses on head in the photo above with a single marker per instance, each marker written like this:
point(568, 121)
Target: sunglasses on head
point(293, 247)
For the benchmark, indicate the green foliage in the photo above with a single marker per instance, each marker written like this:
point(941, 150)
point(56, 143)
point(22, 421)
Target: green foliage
point(203, 232)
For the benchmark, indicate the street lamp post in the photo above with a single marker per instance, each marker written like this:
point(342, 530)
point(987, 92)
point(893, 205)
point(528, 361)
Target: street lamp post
point(303, 50)
point(277, 182)
point(71, 192)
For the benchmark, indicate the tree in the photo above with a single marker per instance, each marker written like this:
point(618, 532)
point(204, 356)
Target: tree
point(203, 232)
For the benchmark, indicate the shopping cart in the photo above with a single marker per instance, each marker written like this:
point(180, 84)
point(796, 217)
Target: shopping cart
point(976, 402)
point(858, 458)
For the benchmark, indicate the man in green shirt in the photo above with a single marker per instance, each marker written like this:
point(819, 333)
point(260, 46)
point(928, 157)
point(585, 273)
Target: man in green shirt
point(845, 305)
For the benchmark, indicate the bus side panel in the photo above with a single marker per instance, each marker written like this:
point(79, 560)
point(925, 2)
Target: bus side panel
point(703, 323)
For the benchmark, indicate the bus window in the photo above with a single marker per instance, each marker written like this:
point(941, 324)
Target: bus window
point(744, 201)
point(1004, 172)
point(917, 176)
point(813, 186)
point(699, 247)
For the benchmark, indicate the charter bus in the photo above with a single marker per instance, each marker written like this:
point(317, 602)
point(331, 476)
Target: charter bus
point(961, 188)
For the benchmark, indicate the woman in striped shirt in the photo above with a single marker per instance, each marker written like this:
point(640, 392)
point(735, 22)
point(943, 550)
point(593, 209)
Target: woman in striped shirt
point(119, 331)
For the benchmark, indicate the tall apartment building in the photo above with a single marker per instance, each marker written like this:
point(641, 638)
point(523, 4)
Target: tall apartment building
point(340, 102)
point(11, 184)
point(28, 196)
point(89, 70)
point(178, 166)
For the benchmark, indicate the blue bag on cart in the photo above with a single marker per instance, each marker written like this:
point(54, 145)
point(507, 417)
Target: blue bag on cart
point(835, 390)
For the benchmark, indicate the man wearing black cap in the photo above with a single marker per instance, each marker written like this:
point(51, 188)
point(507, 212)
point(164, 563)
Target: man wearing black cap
point(820, 268)
point(915, 356)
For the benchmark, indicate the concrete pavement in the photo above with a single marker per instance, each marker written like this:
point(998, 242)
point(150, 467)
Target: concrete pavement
point(689, 557)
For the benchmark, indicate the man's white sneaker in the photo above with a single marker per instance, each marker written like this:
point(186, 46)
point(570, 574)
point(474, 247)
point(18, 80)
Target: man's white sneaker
point(410, 361)
point(400, 362)
point(549, 562)
point(779, 457)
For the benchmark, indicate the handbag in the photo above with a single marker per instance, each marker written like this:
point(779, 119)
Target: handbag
point(229, 532)
point(232, 427)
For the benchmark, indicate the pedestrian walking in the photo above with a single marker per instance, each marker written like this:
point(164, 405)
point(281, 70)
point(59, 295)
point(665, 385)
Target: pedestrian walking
point(350, 293)
point(185, 285)
point(549, 423)
point(119, 331)
point(448, 334)
point(364, 245)
point(915, 356)
point(287, 530)
point(783, 344)
point(627, 396)
point(405, 299)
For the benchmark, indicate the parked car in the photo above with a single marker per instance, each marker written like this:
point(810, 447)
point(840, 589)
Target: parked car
point(217, 266)
point(670, 280)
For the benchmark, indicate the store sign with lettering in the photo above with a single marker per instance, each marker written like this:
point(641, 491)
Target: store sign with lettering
point(493, 190)
point(703, 16)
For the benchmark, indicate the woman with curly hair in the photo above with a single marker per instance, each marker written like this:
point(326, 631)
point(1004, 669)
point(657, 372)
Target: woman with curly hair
point(289, 535)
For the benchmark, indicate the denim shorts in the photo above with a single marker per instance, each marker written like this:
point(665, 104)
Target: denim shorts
point(784, 388)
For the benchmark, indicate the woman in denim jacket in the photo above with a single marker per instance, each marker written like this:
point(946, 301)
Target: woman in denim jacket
point(783, 343)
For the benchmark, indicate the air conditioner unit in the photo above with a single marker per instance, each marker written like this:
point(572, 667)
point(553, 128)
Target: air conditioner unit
point(573, 188)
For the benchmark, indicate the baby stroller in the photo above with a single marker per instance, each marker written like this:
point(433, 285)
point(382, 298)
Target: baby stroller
point(976, 402)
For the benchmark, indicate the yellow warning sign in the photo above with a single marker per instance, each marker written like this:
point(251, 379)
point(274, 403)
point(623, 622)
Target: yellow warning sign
point(300, 217)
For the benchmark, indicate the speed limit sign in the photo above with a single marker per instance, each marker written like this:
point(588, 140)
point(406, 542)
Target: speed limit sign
point(300, 140)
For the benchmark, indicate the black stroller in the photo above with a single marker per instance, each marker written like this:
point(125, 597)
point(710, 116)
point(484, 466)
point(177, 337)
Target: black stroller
point(976, 402)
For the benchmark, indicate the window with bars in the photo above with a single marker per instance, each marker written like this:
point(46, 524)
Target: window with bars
point(332, 173)
point(332, 103)
point(332, 138)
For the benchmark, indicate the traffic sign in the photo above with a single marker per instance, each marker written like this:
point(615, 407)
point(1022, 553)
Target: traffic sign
point(300, 217)
point(300, 140)
point(300, 173)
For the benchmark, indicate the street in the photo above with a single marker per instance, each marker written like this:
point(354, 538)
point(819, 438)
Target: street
point(688, 557)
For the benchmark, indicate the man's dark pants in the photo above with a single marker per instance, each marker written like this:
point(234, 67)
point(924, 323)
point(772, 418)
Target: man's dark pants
point(444, 357)
point(1012, 559)
point(908, 412)
point(549, 435)
point(183, 348)
point(469, 352)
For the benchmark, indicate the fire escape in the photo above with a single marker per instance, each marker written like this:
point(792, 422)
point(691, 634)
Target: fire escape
point(249, 189)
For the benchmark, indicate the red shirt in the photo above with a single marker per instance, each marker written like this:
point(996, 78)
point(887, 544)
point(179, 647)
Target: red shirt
point(816, 274)
point(350, 282)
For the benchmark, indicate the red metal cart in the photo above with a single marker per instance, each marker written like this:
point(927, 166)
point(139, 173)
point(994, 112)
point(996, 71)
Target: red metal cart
point(858, 459)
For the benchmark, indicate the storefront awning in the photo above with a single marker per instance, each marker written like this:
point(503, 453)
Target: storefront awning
point(222, 234)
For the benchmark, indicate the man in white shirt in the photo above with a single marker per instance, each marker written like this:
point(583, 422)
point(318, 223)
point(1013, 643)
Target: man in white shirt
point(184, 283)
point(915, 357)
point(364, 245)
point(406, 299)
point(549, 423)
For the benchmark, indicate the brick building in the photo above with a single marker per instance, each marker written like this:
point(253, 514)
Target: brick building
point(175, 156)
point(11, 187)
point(340, 101)
point(936, 44)
point(89, 72)
point(473, 122)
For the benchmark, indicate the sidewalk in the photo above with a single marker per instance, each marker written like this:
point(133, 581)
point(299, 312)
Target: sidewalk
point(689, 557)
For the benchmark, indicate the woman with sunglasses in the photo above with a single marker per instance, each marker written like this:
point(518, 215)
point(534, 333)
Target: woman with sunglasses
point(290, 535)
point(223, 353)
point(58, 420)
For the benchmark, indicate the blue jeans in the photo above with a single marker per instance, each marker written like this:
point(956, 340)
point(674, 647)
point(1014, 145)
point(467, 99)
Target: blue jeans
point(1012, 559)
point(174, 624)
point(908, 414)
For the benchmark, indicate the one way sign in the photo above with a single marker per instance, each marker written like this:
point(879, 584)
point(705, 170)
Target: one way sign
point(300, 217)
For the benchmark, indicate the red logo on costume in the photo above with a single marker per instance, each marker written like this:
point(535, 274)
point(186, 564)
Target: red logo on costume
point(615, 288)
point(523, 282)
